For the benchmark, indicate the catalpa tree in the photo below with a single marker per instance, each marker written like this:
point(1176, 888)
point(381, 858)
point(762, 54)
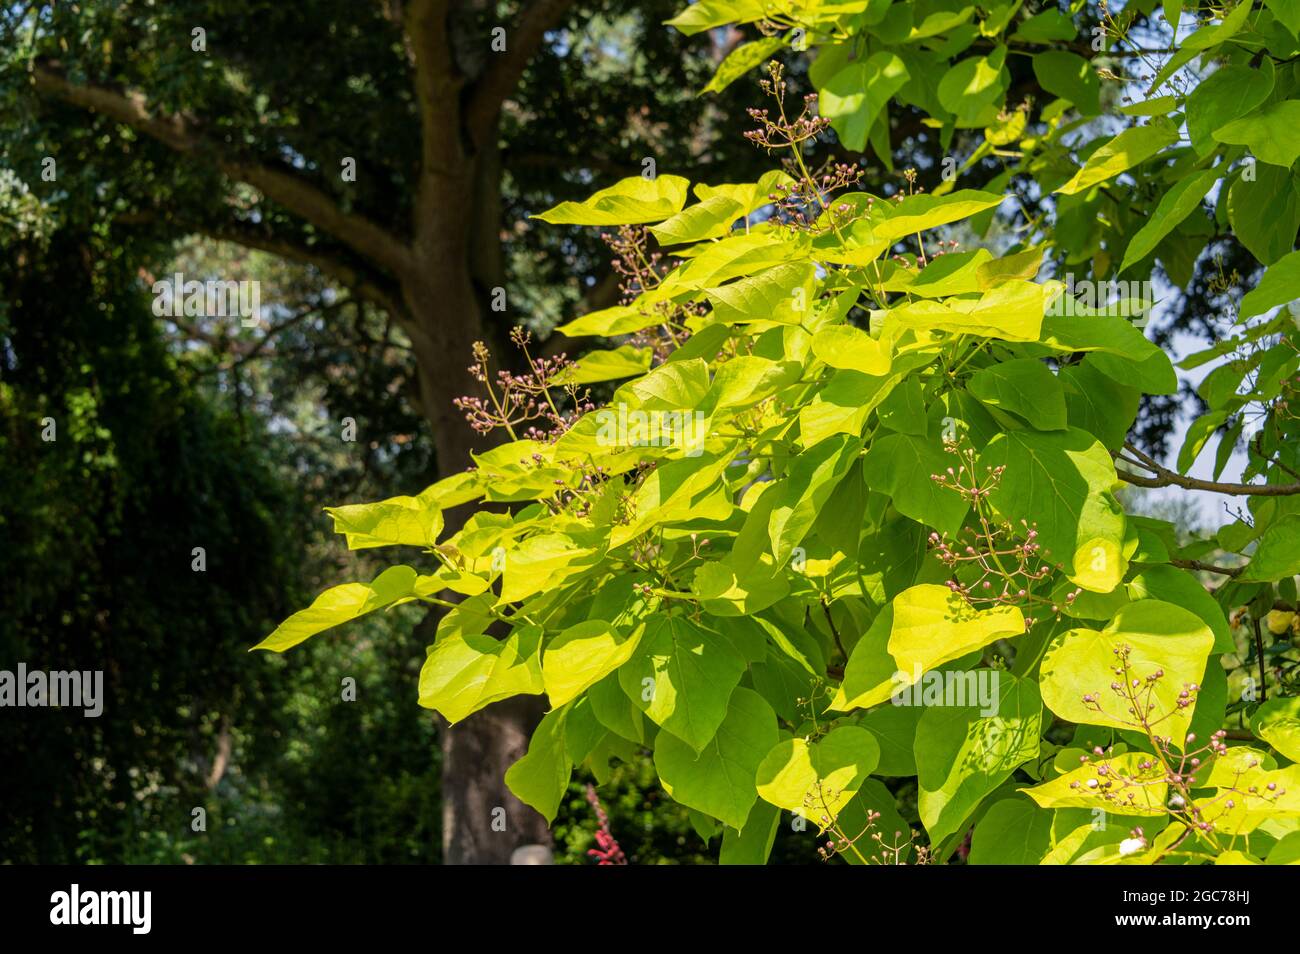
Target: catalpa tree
point(845, 546)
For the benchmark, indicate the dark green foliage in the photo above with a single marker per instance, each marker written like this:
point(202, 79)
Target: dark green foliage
point(98, 528)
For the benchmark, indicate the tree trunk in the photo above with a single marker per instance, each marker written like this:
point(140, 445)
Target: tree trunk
point(446, 273)
point(482, 822)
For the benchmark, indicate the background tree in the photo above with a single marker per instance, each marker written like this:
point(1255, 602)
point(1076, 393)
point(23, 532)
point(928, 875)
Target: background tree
point(236, 121)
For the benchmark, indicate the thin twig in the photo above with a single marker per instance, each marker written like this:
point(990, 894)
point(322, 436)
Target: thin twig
point(1207, 567)
point(835, 632)
point(1259, 651)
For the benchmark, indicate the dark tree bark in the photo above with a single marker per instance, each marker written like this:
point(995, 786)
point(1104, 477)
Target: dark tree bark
point(475, 830)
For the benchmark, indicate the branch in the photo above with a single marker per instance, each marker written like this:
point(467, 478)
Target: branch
point(192, 333)
point(1258, 445)
point(352, 278)
point(370, 241)
point(552, 161)
point(282, 326)
point(182, 135)
point(241, 351)
point(1164, 477)
point(1207, 567)
point(1259, 655)
point(502, 77)
point(835, 632)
